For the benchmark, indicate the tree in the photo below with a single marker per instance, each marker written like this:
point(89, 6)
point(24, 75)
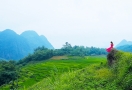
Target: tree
point(8, 71)
point(66, 48)
point(40, 53)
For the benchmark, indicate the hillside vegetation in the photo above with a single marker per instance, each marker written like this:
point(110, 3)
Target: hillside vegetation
point(14, 46)
point(76, 73)
point(67, 52)
point(36, 71)
point(93, 77)
point(42, 53)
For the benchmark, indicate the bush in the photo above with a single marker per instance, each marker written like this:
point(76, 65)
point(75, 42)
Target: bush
point(122, 70)
point(8, 71)
point(111, 57)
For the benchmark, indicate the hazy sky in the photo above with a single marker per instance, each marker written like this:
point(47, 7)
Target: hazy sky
point(79, 22)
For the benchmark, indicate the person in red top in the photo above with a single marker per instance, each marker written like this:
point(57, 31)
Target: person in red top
point(111, 46)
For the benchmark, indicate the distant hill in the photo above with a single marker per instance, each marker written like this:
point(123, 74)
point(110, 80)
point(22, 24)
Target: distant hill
point(46, 42)
point(14, 46)
point(34, 40)
point(126, 48)
point(124, 42)
point(125, 45)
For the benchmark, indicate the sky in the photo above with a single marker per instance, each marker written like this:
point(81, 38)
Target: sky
point(79, 22)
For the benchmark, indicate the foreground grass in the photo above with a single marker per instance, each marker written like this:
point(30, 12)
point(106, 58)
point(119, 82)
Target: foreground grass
point(77, 73)
point(51, 69)
point(93, 77)
point(83, 79)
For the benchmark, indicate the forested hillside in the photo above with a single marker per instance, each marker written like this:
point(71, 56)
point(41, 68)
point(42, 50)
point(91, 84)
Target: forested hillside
point(126, 48)
point(15, 47)
point(42, 53)
point(34, 40)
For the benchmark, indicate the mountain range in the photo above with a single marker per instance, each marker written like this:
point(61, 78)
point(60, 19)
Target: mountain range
point(124, 42)
point(14, 46)
point(125, 45)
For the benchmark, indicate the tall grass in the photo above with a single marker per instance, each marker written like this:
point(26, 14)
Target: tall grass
point(89, 73)
point(93, 77)
point(122, 70)
point(51, 69)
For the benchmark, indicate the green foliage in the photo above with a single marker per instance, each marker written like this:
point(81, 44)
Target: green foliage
point(67, 49)
point(78, 73)
point(81, 79)
point(93, 77)
point(8, 71)
point(40, 53)
point(123, 70)
point(35, 72)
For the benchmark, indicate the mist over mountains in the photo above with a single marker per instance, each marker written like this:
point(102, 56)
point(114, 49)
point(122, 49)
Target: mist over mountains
point(14, 46)
point(125, 45)
point(124, 42)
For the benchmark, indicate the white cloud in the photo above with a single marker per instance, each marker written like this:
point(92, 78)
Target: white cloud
point(80, 22)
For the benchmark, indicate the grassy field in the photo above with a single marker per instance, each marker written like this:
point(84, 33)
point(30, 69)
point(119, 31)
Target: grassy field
point(77, 73)
point(55, 67)
point(96, 75)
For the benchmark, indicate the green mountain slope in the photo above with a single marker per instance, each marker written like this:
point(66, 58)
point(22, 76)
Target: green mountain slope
point(77, 73)
point(15, 47)
point(12, 46)
point(93, 77)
